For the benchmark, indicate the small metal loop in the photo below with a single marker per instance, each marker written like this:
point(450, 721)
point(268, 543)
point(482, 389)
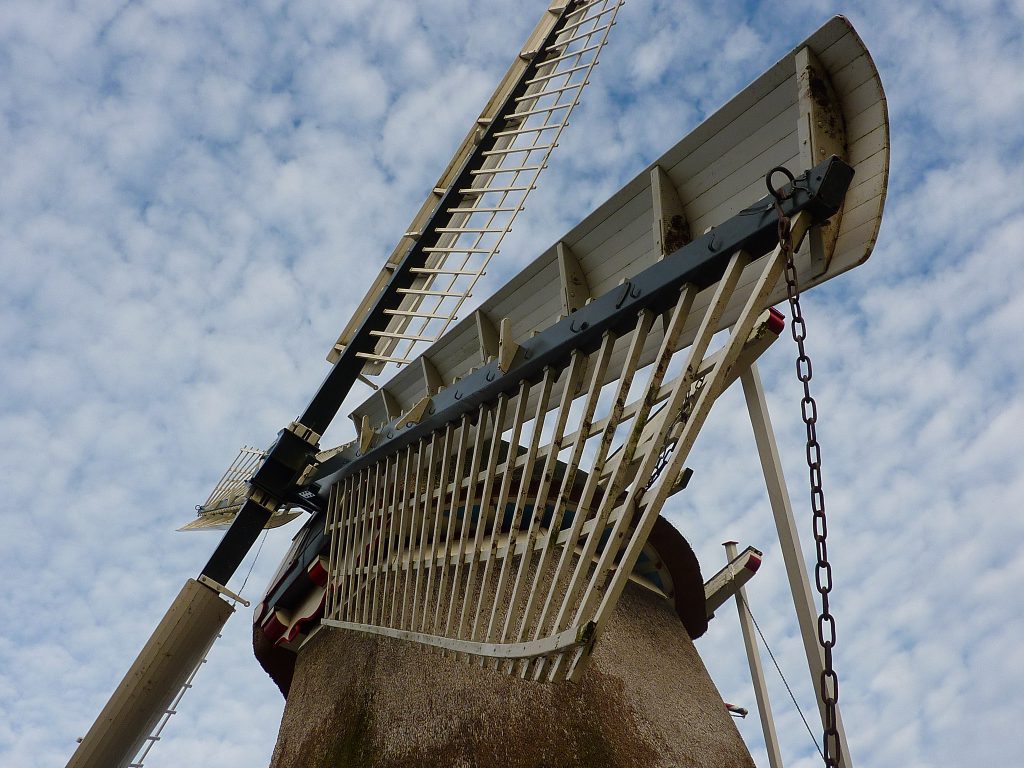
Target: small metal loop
point(823, 579)
point(820, 527)
point(778, 194)
point(827, 636)
point(809, 409)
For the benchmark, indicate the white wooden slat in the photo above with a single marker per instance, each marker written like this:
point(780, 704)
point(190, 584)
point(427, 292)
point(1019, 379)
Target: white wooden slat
point(709, 322)
point(438, 499)
point(397, 542)
point(478, 627)
point(636, 342)
point(865, 122)
point(741, 188)
point(771, 132)
point(424, 499)
point(649, 508)
point(853, 74)
point(443, 598)
point(834, 49)
point(595, 238)
point(411, 569)
point(459, 589)
point(500, 607)
point(499, 416)
point(730, 137)
point(599, 366)
point(784, 154)
point(863, 97)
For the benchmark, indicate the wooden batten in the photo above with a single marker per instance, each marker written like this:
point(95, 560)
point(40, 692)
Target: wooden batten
point(365, 434)
point(575, 289)
point(487, 336)
point(507, 347)
point(671, 230)
point(821, 130)
point(432, 381)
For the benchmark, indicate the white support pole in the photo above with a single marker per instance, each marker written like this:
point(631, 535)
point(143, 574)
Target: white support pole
point(789, 540)
point(764, 707)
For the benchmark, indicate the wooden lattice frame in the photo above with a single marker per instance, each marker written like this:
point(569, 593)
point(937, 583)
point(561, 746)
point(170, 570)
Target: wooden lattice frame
point(429, 543)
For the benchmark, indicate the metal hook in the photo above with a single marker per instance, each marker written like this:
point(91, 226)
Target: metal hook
point(776, 193)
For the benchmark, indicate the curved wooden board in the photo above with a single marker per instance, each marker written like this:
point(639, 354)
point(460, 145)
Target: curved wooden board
point(710, 175)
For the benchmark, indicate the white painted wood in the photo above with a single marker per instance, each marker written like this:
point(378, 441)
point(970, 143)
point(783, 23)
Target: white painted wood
point(528, 650)
point(575, 289)
point(637, 497)
point(789, 540)
point(764, 707)
point(487, 336)
point(706, 167)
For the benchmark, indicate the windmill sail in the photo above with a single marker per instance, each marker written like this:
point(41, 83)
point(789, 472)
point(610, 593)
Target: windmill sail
point(438, 501)
point(228, 495)
point(413, 302)
point(462, 224)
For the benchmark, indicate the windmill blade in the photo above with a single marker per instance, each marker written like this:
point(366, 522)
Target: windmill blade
point(463, 222)
point(823, 98)
point(226, 499)
point(519, 558)
point(413, 301)
point(277, 479)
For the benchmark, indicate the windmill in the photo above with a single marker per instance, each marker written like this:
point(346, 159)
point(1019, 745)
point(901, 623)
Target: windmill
point(506, 484)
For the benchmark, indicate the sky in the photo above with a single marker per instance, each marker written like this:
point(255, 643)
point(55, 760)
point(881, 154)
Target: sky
point(194, 195)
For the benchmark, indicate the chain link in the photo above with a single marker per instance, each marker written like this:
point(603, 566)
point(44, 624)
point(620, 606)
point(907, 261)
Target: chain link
point(670, 443)
point(809, 414)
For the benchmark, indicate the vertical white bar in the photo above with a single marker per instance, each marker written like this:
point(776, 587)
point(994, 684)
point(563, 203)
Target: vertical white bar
point(789, 541)
point(442, 492)
point(764, 707)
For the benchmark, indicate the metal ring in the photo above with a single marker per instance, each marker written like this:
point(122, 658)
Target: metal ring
point(777, 194)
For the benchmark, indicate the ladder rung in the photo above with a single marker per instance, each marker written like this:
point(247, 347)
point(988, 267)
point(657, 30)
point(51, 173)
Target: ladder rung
point(514, 150)
point(454, 249)
point(485, 190)
point(382, 358)
point(482, 210)
point(561, 44)
point(516, 169)
point(470, 230)
point(538, 111)
point(413, 313)
point(560, 89)
point(521, 131)
point(452, 272)
point(562, 73)
point(402, 336)
point(577, 54)
point(581, 9)
point(430, 292)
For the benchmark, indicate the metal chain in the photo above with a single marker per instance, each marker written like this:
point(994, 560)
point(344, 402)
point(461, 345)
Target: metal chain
point(670, 444)
point(809, 412)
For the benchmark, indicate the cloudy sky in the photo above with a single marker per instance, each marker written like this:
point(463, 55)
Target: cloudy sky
point(193, 194)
